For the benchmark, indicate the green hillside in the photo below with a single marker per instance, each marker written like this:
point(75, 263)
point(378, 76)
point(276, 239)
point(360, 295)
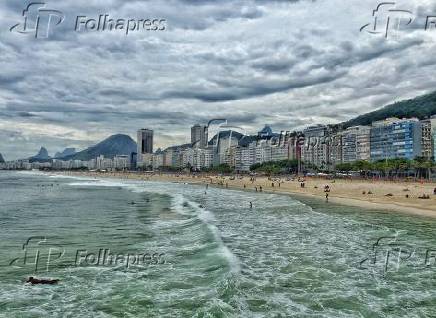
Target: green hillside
point(420, 107)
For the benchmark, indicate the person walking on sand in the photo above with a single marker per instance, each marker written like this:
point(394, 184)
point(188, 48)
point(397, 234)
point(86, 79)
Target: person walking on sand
point(326, 197)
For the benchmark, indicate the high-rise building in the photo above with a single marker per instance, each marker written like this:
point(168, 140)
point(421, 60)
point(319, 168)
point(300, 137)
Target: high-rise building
point(199, 136)
point(245, 157)
point(145, 141)
point(428, 131)
point(158, 160)
point(356, 144)
point(169, 157)
point(334, 144)
point(222, 146)
point(145, 146)
point(263, 151)
point(173, 156)
point(315, 149)
point(133, 160)
point(279, 152)
point(433, 134)
point(396, 138)
point(296, 142)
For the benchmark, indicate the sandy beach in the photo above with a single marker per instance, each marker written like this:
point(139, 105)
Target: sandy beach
point(401, 196)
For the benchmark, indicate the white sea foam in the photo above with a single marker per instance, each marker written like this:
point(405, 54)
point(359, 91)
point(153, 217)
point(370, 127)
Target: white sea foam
point(208, 218)
point(98, 183)
point(179, 202)
point(60, 176)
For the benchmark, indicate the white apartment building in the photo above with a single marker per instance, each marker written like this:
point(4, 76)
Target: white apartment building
point(158, 160)
point(315, 149)
point(121, 162)
point(356, 144)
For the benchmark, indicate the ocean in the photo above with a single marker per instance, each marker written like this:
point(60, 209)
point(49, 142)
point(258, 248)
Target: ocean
point(125, 248)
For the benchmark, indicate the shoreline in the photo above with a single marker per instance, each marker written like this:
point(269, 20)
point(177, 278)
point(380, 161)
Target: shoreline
point(343, 192)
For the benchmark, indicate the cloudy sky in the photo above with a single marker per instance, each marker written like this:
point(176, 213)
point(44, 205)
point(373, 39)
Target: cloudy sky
point(285, 63)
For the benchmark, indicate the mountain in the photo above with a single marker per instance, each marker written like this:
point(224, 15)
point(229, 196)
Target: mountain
point(109, 148)
point(420, 107)
point(224, 135)
point(41, 156)
point(66, 152)
point(2, 160)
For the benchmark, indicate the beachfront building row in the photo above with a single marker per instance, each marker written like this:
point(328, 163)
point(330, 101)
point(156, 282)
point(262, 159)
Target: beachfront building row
point(321, 146)
point(118, 163)
point(325, 146)
point(24, 165)
point(227, 150)
point(392, 138)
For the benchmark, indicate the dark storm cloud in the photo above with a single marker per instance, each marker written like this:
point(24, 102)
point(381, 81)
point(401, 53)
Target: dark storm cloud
point(230, 92)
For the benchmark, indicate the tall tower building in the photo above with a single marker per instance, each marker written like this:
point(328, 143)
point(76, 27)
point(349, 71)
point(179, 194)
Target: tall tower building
point(199, 136)
point(145, 141)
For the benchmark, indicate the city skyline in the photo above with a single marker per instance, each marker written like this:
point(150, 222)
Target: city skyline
point(324, 147)
point(252, 62)
point(145, 139)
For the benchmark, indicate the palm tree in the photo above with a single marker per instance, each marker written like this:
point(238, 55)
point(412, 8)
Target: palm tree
point(404, 166)
point(427, 165)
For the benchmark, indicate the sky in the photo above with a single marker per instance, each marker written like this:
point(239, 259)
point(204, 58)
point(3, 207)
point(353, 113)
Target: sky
point(285, 63)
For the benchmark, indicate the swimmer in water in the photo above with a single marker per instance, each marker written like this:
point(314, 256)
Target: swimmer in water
point(35, 281)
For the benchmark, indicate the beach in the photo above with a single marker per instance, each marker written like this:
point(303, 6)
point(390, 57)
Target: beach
point(396, 196)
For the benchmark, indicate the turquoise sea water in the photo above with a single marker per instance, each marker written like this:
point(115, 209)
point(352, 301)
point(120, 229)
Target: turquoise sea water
point(204, 255)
